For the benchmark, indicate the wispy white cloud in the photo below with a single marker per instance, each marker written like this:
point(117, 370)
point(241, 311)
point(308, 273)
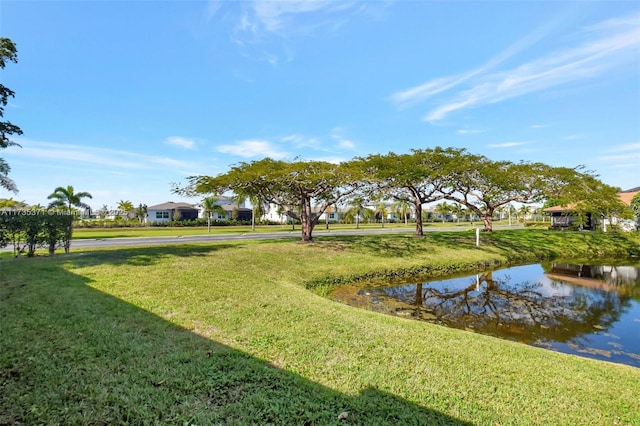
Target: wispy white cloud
point(278, 24)
point(337, 134)
point(335, 140)
point(612, 44)
point(181, 142)
point(253, 149)
point(624, 154)
point(301, 141)
point(97, 158)
point(346, 144)
point(277, 16)
point(431, 88)
point(469, 131)
point(629, 156)
point(635, 146)
point(505, 145)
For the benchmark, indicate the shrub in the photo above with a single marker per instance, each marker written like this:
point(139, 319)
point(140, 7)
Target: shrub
point(28, 230)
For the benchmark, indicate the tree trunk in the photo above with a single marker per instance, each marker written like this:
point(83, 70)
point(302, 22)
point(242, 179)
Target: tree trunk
point(488, 224)
point(253, 218)
point(419, 229)
point(307, 220)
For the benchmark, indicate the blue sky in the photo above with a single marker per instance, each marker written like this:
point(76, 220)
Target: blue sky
point(122, 98)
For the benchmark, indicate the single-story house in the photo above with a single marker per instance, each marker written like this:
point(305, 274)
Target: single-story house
point(170, 211)
point(564, 217)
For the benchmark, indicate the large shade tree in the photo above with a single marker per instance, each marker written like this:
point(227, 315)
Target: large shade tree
point(483, 185)
point(295, 186)
point(8, 53)
point(416, 178)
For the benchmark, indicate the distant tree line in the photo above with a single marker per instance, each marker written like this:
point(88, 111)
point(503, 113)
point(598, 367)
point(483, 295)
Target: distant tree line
point(304, 190)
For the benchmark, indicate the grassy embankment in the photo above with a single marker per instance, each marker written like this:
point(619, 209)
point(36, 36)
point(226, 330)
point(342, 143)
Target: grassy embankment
point(229, 333)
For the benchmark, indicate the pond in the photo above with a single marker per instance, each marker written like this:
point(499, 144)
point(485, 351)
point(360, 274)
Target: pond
point(586, 310)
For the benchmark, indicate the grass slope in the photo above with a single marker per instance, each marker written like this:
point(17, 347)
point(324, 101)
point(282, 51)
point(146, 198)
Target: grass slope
point(228, 333)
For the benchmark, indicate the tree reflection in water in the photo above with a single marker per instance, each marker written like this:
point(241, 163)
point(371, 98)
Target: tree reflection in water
point(590, 310)
point(525, 311)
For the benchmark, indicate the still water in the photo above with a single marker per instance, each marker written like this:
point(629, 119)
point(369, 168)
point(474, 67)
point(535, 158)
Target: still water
point(586, 310)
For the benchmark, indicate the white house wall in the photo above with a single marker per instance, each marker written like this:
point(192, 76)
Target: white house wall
point(151, 216)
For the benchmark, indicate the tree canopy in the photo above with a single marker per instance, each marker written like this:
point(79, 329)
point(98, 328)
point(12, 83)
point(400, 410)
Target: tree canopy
point(8, 53)
point(295, 186)
point(416, 178)
point(304, 190)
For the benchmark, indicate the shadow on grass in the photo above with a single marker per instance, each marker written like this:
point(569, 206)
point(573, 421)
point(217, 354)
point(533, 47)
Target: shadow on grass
point(400, 244)
point(75, 355)
point(142, 256)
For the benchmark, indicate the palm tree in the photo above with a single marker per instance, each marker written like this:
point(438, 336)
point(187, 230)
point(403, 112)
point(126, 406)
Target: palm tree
point(127, 207)
point(443, 209)
point(402, 208)
point(141, 212)
point(210, 206)
point(524, 211)
point(5, 182)
point(458, 210)
point(511, 211)
point(67, 198)
point(382, 211)
point(357, 211)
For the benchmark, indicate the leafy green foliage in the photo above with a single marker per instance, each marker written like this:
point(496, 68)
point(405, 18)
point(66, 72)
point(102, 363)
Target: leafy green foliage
point(8, 52)
point(417, 178)
point(635, 206)
point(28, 230)
point(293, 186)
point(68, 198)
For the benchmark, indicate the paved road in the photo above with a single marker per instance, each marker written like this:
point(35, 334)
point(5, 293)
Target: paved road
point(319, 232)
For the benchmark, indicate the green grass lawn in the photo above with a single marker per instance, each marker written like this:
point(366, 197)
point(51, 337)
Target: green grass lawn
point(151, 231)
point(236, 333)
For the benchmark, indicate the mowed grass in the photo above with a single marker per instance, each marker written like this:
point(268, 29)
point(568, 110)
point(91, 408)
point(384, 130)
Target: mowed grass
point(231, 333)
point(152, 231)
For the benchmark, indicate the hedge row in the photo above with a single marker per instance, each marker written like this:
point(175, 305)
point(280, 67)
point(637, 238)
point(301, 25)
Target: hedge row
point(28, 232)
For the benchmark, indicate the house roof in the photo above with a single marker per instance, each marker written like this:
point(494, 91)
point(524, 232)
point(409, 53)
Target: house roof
point(230, 208)
point(627, 196)
point(170, 205)
point(559, 209)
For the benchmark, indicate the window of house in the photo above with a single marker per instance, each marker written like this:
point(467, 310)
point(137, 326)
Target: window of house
point(162, 215)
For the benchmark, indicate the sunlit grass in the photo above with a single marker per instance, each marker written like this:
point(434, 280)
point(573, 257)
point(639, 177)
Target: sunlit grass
point(151, 231)
point(229, 333)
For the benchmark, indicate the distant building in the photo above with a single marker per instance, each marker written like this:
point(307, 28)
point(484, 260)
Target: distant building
point(170, 211)
point(565, 217)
